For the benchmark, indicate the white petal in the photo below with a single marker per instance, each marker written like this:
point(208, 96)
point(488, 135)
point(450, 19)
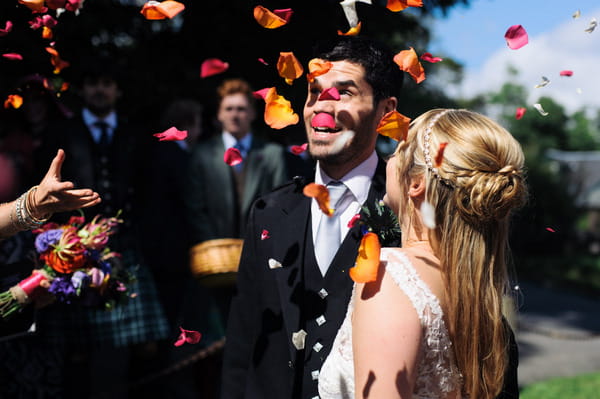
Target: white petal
point(349, 7)
point(298, 339)
point(577, 14)
point(592, 26)
point(428, 215)
point(540, 109)
point(273, 264)
point(544, 82)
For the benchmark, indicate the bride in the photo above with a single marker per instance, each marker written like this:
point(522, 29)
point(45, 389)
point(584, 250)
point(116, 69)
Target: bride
point(431, 325)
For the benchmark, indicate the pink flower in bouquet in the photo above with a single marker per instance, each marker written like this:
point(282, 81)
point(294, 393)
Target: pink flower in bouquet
point(95, 234)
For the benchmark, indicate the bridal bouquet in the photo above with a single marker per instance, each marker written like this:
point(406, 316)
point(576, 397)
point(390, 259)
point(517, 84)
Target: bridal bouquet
point(78, 267)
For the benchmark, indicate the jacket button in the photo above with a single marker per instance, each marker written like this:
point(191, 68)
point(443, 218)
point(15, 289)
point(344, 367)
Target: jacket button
point(291, 364)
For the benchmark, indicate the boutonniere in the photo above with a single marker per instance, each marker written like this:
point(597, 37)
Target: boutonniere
point(380, 227)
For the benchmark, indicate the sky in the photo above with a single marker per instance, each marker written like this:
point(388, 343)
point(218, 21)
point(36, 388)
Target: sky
point(474, 36)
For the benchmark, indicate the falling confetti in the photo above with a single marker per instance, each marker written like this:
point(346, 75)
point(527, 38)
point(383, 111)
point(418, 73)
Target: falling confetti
point(394, 125)
point(576, 14)
point(172, 134)
point(354, 31)
point(399, 5)
point(440, 155)
point(516, 37)
point(550, 229)
point(349, 7)
point(264, 235)
point(7, 29)
point(321, 194)
point(429, 58)
point(155, 10)
point(273, 264)
point(289, 67)
point(187, 336)
point(428, 215)
point(330, 94)
point(592, 26)
point(212, 66)
point(355, 219)
point(408, 61)
point(232, 157)
point(298, 149)
point(367, 261)
point(13, 56)
point(262, 61)
point(520, 112)
point(566, 73)
point(13, 100)
point(540, 109)
point(272, 19)
point(317, 67)
point(543, 83)
point(278, 111)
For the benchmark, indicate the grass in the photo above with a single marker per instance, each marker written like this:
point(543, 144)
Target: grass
point(585, 386)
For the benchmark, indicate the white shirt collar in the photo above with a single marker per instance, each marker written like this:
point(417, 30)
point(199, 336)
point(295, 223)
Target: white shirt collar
point(229, 140)
point(89, 119)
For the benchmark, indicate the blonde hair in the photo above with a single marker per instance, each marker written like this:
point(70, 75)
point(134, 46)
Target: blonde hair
point(479, 182)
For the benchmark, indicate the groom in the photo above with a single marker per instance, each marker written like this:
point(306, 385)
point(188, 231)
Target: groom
point(293, 283)
point(284, 319)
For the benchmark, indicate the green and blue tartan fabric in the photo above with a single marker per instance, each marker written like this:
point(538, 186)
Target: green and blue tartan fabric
point(141, 319)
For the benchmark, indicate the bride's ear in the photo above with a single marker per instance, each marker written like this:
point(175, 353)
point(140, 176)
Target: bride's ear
point(416, 188)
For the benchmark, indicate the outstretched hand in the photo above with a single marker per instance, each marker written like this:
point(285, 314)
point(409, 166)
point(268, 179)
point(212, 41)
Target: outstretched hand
point(53, 195)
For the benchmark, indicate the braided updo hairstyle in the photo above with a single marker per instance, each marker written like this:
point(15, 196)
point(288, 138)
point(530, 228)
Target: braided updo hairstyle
point(473, 188)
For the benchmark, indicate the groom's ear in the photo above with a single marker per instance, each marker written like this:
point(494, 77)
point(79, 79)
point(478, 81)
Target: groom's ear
point(416, 188)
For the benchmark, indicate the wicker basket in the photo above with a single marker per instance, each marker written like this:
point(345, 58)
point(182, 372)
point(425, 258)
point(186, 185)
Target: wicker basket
point(215, 262)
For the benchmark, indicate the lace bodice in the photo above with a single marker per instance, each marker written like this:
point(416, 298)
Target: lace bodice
point(437, 376)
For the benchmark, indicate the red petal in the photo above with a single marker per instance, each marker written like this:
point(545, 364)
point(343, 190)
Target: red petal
point(520, 112)
point(188, 336)
point(298, 149)
point(330, 94)
point(323, 119)
point(264, 235)
point(13, 56)
point(262, 61)
point(440, 155)
point(212, 66)
point(354, 220)
point(550, 229)
point(284, 13)
point(262, 93)
point(516, 37)
point(7, 28)
point(566, 73)
point(429, 58)
point(172, 134)
point(232, 157)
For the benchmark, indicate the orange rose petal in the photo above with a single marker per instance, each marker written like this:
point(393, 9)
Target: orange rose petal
point(288, 67)
point(399, 5)
point(354, 31)
point(317, 67)
point(154, 10)
point(394, 125)
point(440, 155)
point(56, 61)
point(320, 193)
point(46, 33)
point(13, 100)
point(34, 5)
point(271, 19)
point(279, 114)
point(408, 61)
point(367, 261)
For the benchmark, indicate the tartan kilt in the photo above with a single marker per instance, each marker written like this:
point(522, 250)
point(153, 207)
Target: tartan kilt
point(140, 319)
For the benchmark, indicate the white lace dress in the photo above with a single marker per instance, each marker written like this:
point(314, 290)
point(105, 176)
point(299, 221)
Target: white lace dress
point(437, 377)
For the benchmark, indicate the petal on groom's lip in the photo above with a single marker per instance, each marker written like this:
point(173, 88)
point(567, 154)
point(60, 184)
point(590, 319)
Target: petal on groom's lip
point(367, 261)
point(323, 119)
point(321, 194)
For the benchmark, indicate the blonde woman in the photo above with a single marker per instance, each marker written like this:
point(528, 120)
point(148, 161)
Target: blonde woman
point(431, 326)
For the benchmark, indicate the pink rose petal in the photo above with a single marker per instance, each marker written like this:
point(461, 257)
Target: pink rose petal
point(7, 28)
point(213, 66)
point(262, 93)
point(429, 58)
point(520, 112)
point(550, 229)
point(264, 235)
point(566, 73)
point(188, 336)
point(284, 13)
point(323, 120)
point(232, 157)
point(354, 220)
point(172, 134)
point(330, 94)
point(516, 37)
point(262, 61)
point(13, 56)
point(298, 149)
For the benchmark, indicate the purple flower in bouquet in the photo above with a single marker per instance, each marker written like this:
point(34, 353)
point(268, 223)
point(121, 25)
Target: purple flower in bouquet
point(44, 240)
point(62, 288)
point(80, 280)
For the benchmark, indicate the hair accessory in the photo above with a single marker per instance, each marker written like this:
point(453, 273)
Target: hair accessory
point(427, 142)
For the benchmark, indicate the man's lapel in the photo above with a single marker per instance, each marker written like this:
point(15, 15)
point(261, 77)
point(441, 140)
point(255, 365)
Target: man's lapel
point(253, 175)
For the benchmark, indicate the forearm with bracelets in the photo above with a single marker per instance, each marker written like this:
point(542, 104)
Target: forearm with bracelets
point(19, 215)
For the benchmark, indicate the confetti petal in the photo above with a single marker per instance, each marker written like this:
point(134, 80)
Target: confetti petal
point(354, 31)
point(13, 100)
point(576, 14)
point(272, 19)
point(323, 119)
point(56, 61)
point(355, 219)
point(330, 94)
point(47, 33)
point(262, 93)
point(429, 58)
point(317, 67)
point(187, 336)
point(593, 24)
point(550, 229)
point(440, 155)
point(540, 109)
point(516, 37)
point(566, 73)
point(34, 5)
point(289, 67)
point(212, 66)
point(13, 56)
point(154, 10)
point(55, 4)
point(298, 149)
point(48, 21)
point(349, 7)
point(278, 111)
point(321, 194)
point(399, 5)
point(7, 28)
point(543, 83)
point(367, 261)
point(232, 156)
point(428, 215)
point(264, 235)
point(298, 339)
point(520, 112)
point(73, 5)
point(262, 61)
point(408, 61)
point(273, 264)
point(394, 125)
point(172, 134)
